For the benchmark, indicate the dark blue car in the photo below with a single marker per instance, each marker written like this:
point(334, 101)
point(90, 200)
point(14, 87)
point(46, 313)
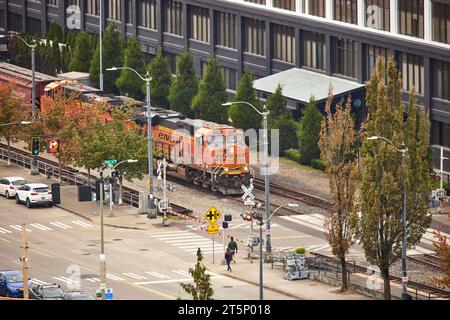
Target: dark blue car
point(11, 284)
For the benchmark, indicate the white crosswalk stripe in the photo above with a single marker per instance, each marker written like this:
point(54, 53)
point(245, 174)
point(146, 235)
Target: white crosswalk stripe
point(134, 276)
point(90, 280)
point(40, 227)
point(158, 275)
point(82, 224)
point(182, 272)
point(4, 231)
point(61, 225)
point(36, 281)
point(113, 277)
point(18, 227)
point(188, 241)
point(65, 280)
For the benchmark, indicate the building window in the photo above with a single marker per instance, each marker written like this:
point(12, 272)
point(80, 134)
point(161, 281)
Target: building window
point(284, 4)
point(14, 22)
point(411, 67)
point(203, 67)
point(147, 14)
point(93, 7)
point(346, 57)
point(314, 50)
point(172, 60)
point(255, 36)
point(315, 7)
point(199, 23)
point(2, 19)
point(114, 12)
point(73, 3)
point(129, 11)
point(411, 17)
point(257, 1)
point(378, 14)
point(283, 43)
point(441, 22)
point(173, 11)
point(53, 3)
point(372, 54)
point(346, 11)
point(440, 133)
point(441, 83)
point(33, 26)
point(226, 30)
point(229, 77)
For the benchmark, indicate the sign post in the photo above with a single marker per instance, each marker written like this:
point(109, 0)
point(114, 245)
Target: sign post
point(212, 216)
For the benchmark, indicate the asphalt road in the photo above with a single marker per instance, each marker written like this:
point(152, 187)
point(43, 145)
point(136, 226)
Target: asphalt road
point(139, 265)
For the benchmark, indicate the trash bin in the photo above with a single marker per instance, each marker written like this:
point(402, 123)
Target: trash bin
point(56, 193)
point(84, 194)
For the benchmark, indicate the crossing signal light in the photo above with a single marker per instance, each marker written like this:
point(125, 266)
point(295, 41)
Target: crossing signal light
point(35, 144)
point(53, 146)
point(247, 216)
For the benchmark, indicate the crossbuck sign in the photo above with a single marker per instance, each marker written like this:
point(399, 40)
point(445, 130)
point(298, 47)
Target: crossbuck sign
point(248, 197)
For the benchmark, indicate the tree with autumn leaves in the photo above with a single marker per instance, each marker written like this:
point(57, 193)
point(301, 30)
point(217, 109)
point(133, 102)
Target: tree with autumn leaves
point(442, 248)
point(337, 145)
point(201, 288)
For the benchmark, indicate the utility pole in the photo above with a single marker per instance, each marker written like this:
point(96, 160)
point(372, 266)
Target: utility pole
point(266, 182)
point(110, 197)
point(102, 252)
point(261, 283)
point(25, 262)
point(100, 44)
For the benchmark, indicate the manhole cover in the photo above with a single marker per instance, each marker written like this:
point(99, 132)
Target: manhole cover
point(143, 249)
point(118, 239)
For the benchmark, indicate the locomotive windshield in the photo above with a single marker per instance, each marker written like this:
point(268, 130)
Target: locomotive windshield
point(235, 139)
point(216, 140)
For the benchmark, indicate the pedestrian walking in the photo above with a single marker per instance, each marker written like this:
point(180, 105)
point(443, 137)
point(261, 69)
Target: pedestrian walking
point(232, 245)
point(228, 257)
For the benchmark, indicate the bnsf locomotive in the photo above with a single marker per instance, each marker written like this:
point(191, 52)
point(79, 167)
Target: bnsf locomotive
point(208, 154)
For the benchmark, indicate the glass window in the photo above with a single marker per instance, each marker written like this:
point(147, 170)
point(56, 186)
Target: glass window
point(173, 11)
point(412, 71)
point(19, 182)
point(199, 23)
point(346, 57)
point(314, 50)
point(372, 54)
point(226, 30)
point(129, 11)
point(284, 4)
point(14, 278)
point(147, 14)
point(441, 83)
point(441, 22)
point(229, 77)
point(440, 134)
point(283, 43)
point(114, 11)
point(53, 2)
point(255, 36)
point(378, 14)
point(93, 7)
point(411, 17)
point(257, 1)
point(346, 11)
point(315, 7)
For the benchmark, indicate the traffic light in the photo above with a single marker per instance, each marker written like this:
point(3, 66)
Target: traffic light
point(258, 216)
point(35, 146)
point(53, 146)
point(247, 216)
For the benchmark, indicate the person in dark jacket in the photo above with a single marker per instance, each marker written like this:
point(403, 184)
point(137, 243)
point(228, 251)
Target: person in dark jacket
point(228, 257)
point(232, 245)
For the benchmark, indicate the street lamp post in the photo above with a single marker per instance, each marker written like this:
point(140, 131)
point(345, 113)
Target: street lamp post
point(100, 45)
point(111, 185)
point(151, 203)
point(403, 152)
point(102, 241)
point(264, 114)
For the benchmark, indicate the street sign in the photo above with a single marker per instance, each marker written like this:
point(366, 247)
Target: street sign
point(213, 229)
point(110, 163)
point(249, 202)
point(405, 279)
point(108, 294)
point(212, 215)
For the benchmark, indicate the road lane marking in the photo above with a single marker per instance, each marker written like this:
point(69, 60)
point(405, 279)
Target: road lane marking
point(158, 275)
point(182, 272)
point(292, 237)
point(4, 230)
point(42, 253)
point(113, 277)
point(65, 280)
point(171, 280)
point(82, 224)
point(163, 234)
point(40, 227)
point(90, 280)
point(36, 281)
point(135, 276)
point(3, 239)
point(61, 225)
point(18, 227)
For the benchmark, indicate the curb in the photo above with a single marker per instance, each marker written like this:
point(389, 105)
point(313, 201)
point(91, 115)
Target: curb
point(264, 286)
point(74, 212)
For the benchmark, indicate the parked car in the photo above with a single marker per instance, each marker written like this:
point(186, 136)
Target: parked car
point(9, 186)
point(78, 295)
point(11, 284)
point(34, 194)
point(46, 292)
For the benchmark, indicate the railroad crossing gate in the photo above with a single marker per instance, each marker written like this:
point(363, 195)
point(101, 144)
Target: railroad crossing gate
point(213, 229)
point(212, 215)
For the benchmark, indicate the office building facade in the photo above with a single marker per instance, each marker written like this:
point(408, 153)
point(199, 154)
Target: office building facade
point(340, 38)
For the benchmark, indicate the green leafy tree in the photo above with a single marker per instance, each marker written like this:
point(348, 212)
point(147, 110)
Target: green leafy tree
point(55, 32)
point(338, 150)
point(129, 82)
point(201, 289)
point(113, 45)
point(82, 53)
point(308, 133)
point(161, 80)
point(386, 174)
point(212, 93)
point(243, 116)
point(185, 86)
point(287, 137)
point(277, 106)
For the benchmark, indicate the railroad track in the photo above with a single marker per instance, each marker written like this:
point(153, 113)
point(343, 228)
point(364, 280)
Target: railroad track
point(428, 260)
point(128, 193)
point(294, 195)
point(411, 284)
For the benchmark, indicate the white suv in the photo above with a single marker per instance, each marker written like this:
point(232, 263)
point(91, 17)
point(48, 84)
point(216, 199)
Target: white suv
point(9, 185)
point(34, 193)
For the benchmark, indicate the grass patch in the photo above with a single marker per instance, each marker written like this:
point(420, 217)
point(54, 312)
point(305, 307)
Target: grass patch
point(299, 166)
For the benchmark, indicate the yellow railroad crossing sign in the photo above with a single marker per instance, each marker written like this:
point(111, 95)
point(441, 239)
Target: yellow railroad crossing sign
point(213, 229)
point(212, 215)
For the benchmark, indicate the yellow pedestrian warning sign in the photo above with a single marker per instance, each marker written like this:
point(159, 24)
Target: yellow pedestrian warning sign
point(213, 229)
point(212, 215)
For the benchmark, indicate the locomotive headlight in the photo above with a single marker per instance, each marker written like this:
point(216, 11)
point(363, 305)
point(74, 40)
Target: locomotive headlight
point(226, 169)
point(246, 168)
